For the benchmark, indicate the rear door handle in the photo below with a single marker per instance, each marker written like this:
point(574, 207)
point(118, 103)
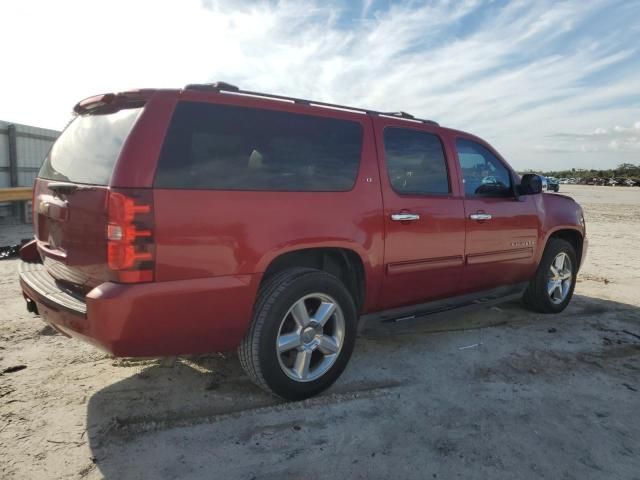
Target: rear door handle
point(480, 216)
point(405, 217)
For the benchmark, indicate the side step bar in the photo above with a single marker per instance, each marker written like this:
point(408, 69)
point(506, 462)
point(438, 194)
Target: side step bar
point(460, 303)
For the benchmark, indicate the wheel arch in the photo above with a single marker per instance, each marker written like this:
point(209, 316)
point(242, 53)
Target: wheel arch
point(569, 234)
point(344, 263)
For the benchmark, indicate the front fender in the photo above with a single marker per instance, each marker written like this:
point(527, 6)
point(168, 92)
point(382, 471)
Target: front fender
point(559, 213)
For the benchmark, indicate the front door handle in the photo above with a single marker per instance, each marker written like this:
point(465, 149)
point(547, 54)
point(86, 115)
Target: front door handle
point(480, 216)
point(405, 217)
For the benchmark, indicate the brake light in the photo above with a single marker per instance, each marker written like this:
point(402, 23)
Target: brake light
point(130, 245)
point(112, 102)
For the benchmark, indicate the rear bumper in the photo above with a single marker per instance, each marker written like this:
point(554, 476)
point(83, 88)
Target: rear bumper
point(149, 319)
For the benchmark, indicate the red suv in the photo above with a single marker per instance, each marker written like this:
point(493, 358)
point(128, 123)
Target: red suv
point(210, 218)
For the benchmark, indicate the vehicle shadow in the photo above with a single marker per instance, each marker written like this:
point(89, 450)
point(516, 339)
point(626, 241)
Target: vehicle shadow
point(186, 391)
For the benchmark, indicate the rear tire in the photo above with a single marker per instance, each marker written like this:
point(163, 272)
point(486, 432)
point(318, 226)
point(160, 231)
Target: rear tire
point(552, 287)
point(302, 333)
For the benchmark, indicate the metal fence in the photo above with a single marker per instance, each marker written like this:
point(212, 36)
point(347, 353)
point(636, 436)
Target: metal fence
point(22, 149)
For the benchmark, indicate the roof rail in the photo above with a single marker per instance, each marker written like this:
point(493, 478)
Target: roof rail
point(227, 87)
point(217, 86)
point(400, 114)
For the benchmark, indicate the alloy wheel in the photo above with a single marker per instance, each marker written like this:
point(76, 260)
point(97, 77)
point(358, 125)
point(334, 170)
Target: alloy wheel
point(310, 337)
point(560, 278)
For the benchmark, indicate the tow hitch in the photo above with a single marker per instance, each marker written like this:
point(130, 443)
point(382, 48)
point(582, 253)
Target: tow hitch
point(31, 306)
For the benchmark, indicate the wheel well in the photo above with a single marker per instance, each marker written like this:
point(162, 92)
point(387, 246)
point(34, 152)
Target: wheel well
point(343, 263)
point(573, 237)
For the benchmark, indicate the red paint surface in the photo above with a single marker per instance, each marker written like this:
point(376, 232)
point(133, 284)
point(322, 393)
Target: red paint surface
point(212, 247)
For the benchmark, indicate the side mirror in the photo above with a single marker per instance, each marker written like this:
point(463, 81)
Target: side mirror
point(531, 184)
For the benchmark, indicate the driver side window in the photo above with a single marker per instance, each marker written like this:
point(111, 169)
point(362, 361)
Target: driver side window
point(482, 173)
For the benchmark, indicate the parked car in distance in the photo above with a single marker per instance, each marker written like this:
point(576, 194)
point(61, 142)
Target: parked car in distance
point(209, 218)
point(552, 184)
point(545, 183)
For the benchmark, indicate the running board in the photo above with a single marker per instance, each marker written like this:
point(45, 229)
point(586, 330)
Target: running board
point(485, 298)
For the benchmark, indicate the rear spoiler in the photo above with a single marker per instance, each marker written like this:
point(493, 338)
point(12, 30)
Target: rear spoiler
point(112, 102)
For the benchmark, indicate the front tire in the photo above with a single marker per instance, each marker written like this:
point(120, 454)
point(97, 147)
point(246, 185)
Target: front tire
point(302, 333)
point(552, 287)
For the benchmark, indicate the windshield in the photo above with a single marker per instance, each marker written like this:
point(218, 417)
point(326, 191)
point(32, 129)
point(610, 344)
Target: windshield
point(87, 150)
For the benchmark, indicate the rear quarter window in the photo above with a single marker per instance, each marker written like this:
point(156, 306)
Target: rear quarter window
point(87, 150)
point(223, 147)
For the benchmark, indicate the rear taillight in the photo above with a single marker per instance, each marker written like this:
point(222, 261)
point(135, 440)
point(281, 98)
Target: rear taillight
point(130, 241)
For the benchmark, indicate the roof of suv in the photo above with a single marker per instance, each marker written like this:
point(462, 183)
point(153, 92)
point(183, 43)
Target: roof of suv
point(102, 101)
point(223, 87)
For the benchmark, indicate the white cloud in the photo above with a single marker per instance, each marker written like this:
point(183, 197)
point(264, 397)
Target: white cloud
point(632, 130)
point(625, 144)
point(619, 139)
point(505, 77)
point(366, 6)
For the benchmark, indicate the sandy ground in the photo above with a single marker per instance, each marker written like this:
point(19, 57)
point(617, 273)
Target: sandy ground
point(532, 396)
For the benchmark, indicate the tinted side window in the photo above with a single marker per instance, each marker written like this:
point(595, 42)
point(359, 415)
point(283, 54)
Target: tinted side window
point(415, 162)
point(483, 174)
point(225, 147)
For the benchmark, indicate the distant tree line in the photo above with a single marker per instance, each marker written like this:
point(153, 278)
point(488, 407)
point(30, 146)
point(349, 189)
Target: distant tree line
point(622, 171)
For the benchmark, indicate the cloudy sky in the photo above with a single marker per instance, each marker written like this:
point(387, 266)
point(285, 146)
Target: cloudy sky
point(550, 84)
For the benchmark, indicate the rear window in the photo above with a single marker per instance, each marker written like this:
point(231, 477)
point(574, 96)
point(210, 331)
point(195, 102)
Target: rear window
point(225, 147)
point(87, 150)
